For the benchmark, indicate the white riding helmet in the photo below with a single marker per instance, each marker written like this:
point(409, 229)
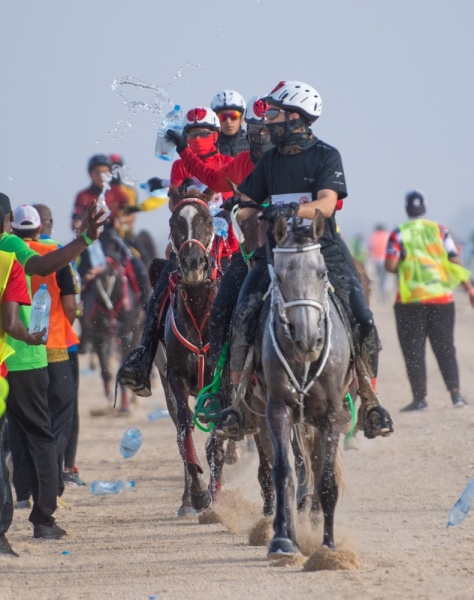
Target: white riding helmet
point(298, 96)
point(228, 99)
point(254, 113)
point(201, 117)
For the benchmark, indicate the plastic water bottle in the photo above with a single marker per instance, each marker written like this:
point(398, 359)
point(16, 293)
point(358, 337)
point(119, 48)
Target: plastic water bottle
point(173, 120)
point(156, 193)
point(159, 414)
point(130, 443)
point(41, 307)
point(104, 488)
point(221, 227)
point(463, 505)
point(215, 204)
point(96, 255)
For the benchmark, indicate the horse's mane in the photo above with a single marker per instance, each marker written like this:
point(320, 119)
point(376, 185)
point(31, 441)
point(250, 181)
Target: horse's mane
point(185, 190)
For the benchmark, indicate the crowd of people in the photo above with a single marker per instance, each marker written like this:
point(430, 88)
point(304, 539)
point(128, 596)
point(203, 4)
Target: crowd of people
point(263, 152)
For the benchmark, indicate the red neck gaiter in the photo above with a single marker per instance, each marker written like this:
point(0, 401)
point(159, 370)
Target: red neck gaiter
point(204, 146)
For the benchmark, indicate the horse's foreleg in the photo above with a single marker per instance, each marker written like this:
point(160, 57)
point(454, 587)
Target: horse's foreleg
point(215, 459)
point(327, 489)
point(265, 454)
point(200, 495)
point(279, 422)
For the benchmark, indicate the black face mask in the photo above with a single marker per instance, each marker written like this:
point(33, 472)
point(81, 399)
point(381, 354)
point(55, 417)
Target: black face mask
point(259, 144)
point(291, 136)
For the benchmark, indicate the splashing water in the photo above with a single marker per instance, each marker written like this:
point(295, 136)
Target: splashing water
point(101, 203)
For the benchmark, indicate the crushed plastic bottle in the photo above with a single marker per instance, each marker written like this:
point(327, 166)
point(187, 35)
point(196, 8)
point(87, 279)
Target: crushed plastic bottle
point(462, 506)
point(105, 488)
point(173, 120)
point(131, 442)
point(40, 310)
point(221, 227)
point(159, 414)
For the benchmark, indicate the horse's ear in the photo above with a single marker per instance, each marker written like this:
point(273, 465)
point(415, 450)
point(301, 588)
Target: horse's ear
point(234, 188)
point(280, 230)
point(174, 195)
point(318, 225)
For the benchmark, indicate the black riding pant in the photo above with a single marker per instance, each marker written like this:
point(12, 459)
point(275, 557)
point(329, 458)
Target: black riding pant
point(415, 323)
point(224, 304)
point(27, 407)
point(342, 276)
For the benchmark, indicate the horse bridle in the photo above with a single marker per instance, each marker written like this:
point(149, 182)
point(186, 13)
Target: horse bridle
point(277, 301)
point(206, 249)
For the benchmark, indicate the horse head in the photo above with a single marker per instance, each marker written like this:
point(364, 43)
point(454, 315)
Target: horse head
point(191, 236)
point(300, 285)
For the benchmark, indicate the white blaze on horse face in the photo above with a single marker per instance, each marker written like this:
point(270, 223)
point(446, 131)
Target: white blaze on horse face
point(188, 213)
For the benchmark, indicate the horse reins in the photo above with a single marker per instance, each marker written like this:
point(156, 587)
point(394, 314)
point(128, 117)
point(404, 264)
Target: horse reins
point(277, 301)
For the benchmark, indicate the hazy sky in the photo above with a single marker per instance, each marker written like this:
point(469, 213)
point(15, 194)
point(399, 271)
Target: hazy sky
point(395, 78)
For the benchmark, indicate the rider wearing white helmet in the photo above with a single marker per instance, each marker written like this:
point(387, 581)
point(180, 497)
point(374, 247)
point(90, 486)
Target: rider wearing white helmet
point(229, 107)
point(304, 170)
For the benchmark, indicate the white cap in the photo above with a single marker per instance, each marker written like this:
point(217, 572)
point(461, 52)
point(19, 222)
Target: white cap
point(26, 217)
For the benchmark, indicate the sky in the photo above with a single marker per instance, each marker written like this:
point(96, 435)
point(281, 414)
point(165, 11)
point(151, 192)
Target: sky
point(395, 79)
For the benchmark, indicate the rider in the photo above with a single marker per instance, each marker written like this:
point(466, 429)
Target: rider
point(306, 170)
point(201, 130)
point(229, 107)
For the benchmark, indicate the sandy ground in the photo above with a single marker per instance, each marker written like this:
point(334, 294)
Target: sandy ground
point(392, 515)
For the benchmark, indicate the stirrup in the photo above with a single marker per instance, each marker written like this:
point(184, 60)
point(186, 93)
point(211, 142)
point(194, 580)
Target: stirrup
point(207, 408)
point(377, 421)
point(230, 425)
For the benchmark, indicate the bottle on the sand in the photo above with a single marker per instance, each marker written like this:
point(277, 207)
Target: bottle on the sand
point(104, 488)
point(463, 505)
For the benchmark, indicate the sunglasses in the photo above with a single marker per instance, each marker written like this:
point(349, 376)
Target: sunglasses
point(233, 115)
point(196, 133)
point(272, 113)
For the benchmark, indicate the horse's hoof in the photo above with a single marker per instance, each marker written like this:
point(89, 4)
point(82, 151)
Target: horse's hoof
point(185, 512)
point(330, 545)
point(281, 547)
point(201, 502)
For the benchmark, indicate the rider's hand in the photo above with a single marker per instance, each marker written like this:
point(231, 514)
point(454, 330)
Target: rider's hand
point(92, 222)
point(36, 339)
point(230, 203)
point(178, 140)
point(130, 209)
point(272, 212)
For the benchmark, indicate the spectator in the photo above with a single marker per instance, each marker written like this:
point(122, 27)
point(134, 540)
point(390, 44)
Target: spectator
point(423, 254)
point(377, 248)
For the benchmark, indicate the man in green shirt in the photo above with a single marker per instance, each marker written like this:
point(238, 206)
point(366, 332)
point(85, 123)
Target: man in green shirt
point(27, 403)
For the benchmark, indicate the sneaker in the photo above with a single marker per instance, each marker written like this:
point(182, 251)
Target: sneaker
point(48, 531)
point(5, 548)
point(72, 479)
point(23, 504)
point(458, 400)
point(415, 405)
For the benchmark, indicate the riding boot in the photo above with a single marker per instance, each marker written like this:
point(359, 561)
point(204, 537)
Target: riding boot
point(135, 371)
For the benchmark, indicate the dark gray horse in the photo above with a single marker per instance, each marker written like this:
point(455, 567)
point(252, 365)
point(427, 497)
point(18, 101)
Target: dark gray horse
point(304, 361)
point(182, 359)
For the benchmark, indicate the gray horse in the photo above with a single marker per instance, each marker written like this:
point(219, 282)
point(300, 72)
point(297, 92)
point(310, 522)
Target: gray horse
point(304, 359)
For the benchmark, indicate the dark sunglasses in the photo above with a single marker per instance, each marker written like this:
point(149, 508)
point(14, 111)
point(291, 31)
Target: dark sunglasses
point(272, 113)
point(233, 115)
point(195, 133)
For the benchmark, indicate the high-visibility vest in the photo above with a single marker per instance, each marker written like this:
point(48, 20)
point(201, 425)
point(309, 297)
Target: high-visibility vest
point(6, 263)
point(59, 326)
point(426, 271)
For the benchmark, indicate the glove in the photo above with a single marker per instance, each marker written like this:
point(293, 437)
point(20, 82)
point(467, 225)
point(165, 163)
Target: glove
point(155, 183)
point(178, 140)
point(224, 214)
point(272, 212)
point(230, 203)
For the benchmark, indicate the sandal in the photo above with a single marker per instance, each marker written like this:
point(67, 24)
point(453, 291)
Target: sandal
point(377, 421)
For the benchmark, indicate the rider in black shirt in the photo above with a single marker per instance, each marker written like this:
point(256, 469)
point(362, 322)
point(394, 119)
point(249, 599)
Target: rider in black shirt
point(305, 170)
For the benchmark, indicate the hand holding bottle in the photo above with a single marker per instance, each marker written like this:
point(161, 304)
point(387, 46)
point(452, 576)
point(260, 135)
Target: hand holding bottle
point(178, 139)
point(36, 339)
point(93, 221)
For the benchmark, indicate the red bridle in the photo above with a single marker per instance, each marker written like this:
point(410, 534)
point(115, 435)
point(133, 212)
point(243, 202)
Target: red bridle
point(205, 249)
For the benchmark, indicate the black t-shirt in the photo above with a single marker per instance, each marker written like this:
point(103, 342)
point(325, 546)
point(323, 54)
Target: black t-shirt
point(319, 167)
point(65, 281)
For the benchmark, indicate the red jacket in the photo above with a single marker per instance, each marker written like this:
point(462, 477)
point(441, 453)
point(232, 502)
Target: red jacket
point(179, 172)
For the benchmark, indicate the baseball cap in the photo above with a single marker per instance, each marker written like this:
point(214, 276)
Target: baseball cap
point(415, 203)
point(26, 217)
point(5, 203)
